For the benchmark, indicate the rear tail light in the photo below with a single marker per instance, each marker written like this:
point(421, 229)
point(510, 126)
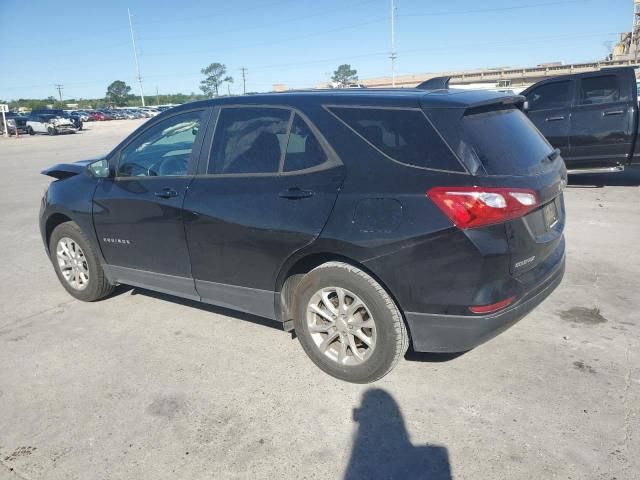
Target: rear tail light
point(473, 207)
point(494, 307)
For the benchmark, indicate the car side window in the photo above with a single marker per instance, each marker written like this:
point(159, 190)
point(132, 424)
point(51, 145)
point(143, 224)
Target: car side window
point(162, 150)
point(602, 89)
point(550, 95)
point(249, 140)
point(303, 148)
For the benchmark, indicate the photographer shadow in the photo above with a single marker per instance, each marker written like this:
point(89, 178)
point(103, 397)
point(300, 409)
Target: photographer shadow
point(382, 448)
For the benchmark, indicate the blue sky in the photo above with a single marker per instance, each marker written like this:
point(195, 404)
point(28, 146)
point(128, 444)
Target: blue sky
point(85, 45)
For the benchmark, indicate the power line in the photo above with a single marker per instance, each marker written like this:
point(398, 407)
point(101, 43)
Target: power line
point(488, 10)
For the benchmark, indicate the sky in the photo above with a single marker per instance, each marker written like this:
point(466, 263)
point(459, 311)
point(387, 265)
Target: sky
point(85, 45)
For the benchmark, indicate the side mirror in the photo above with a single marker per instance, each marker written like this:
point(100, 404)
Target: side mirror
point(99, 169)
point(525, 106)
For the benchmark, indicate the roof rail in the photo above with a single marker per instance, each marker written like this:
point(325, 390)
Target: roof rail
point(435, 83)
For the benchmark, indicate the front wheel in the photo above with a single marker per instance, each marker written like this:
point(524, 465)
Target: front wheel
point(348, 324)
point(76, 264)
point(30, 131)
point(52, 131)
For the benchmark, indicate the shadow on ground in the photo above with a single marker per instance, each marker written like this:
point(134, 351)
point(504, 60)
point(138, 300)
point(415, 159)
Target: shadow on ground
point(628, 178)
point(382, 448)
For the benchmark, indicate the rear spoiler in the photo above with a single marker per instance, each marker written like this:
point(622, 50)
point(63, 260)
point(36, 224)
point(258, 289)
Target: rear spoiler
point(435, 83)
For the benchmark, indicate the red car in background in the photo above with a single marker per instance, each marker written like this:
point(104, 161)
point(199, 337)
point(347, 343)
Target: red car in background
point(100, 116)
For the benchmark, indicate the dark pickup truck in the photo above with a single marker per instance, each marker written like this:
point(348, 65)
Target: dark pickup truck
point(591, 117)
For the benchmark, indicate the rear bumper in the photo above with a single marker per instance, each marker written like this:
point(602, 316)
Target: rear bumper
point(459, 333)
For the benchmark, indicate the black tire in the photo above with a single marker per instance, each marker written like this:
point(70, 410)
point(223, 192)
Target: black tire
point(392, 338)
point(98, 286)
point(52, 131)
point(30, 131)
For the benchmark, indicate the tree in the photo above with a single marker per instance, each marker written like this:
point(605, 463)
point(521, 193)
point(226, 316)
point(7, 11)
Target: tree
point(215, 75)
point(344, 76)
point(118, 93)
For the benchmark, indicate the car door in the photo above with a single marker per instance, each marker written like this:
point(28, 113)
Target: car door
point(602, 125)
point(550, 111)
point(138, 212)
point(266, 191)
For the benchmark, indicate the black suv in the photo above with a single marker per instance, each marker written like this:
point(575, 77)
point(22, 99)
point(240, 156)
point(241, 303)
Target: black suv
point(364, 220)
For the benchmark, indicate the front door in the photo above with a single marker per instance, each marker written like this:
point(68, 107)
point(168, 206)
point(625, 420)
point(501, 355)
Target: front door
point(268, 190)
point(138, 213)
point(602, 126)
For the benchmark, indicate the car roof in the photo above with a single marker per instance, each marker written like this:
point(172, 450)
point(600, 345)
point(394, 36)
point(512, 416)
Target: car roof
point(395, 97)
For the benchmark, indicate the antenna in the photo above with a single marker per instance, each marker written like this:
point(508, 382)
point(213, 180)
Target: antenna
point(135, 55)
point(393, 55)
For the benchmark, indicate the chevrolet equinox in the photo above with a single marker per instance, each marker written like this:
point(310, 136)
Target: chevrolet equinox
point(363, 220)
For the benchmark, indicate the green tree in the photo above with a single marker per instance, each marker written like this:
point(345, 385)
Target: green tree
point(344, 75)
point(215, 75)
point(118, 93)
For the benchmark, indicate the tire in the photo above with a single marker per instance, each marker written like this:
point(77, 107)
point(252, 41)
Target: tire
point(52, 131)
point(96, 286)
point(30, 131)
point(386, 332)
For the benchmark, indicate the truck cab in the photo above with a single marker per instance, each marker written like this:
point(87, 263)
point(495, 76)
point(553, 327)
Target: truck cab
point(591, 117)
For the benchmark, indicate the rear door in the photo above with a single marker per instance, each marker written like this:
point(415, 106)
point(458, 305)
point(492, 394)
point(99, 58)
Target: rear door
point(603, 121)
point(138, 212)
point(265, 191)
point(550, 111)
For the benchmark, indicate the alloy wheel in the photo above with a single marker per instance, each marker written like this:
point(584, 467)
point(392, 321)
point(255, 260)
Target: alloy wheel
point(341, 325)
point(72, 263)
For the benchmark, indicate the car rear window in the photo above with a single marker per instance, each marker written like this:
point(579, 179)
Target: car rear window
point(506, 142)
point(404, 135)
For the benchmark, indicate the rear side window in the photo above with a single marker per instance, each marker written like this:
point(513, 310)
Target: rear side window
point(404, 135)
point(303, 149)
point(249, 140)
point(506, 142)
point(550, 95)
point(604, 89)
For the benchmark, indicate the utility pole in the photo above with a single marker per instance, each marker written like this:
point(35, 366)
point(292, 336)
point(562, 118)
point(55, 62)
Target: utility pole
point(244, 80)
point(157, 96)
point(393, 55)
point(59, 87)
point(135, 56)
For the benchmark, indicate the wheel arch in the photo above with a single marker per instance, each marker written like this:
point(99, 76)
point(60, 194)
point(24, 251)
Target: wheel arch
point(52, 222)
point(291, 274)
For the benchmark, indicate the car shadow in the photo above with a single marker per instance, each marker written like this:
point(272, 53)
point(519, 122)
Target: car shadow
point(266, 322)
point(630, 177)
point(382, 448)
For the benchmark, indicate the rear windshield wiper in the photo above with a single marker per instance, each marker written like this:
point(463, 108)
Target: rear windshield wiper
point(552, 156)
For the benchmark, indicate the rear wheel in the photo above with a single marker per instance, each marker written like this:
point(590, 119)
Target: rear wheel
point(76, 264)
point(348, 324)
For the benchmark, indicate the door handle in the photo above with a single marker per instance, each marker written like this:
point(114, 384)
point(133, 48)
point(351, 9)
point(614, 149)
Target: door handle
point(295, 193)
point(612, 112)
point(554, 119)
point(166, 193)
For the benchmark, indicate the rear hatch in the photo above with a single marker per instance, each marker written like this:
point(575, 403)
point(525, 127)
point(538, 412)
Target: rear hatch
point(503, 149)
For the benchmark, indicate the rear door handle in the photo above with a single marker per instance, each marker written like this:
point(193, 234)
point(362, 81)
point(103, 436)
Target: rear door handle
point(612, 113)
point(295, 193)
point(166, 193)
point(554, 119)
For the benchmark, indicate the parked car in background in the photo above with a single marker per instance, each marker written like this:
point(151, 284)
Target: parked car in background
point(591, 117)
point(50, 124)
point(100, 116)
point(362, 219)
point(83, 116)
point(16, 123)
point(75, 119)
